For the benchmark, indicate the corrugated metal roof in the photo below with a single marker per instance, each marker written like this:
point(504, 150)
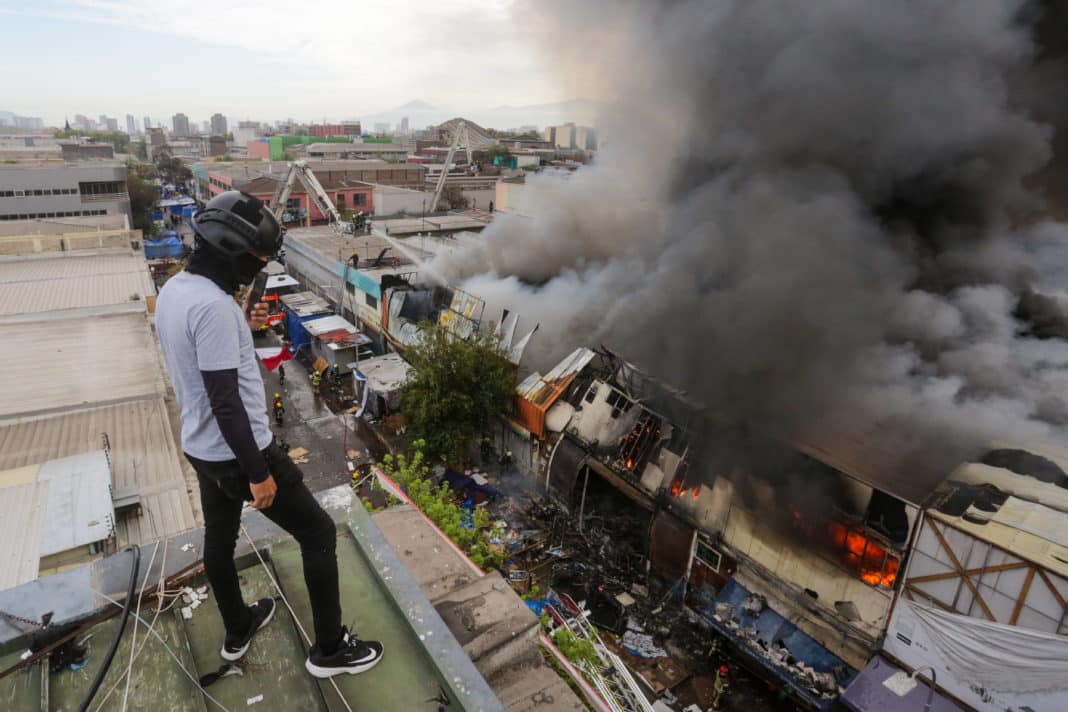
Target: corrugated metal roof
point(75, 293)
point(76, 362)
point(305, 304)
point(543, 390)
point(79, 502)
point(275, 281)
point(22, 511)
point(318, 327)
point(144, 458)
point(35, 285)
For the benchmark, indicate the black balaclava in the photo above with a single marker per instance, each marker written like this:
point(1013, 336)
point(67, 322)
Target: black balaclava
point(227, 272)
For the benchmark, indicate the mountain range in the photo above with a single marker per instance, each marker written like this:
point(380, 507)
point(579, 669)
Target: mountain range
point(422, 114)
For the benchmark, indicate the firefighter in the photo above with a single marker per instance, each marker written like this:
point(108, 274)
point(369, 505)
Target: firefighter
point(316, 378)
point(279, 409)
point(720, 687)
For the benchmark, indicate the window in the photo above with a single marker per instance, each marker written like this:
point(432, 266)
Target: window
point(371, 301)
point(708, 556)
point(38, 192)
point(350, 288)
point(359, 199)
point(101, 187)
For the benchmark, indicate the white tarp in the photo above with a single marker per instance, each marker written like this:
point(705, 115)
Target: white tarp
point(996, 657)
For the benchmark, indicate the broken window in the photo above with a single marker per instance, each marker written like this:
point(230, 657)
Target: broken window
point(708, 556)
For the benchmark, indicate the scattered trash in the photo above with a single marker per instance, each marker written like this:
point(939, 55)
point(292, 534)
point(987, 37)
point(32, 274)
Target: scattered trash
point(187, 547)
point(187, 612)
point(253, 700)
point(26, 655)
point(642, 645)
point(225, 670)
point(299, 455)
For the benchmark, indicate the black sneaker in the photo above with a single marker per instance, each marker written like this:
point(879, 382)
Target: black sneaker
point(352, 656)
point(235, 647)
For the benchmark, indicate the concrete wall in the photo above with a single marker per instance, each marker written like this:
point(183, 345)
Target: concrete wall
point(393, 200)
point(61, 178)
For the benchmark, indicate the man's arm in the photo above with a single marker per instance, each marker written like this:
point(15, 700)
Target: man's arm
point(229, 411)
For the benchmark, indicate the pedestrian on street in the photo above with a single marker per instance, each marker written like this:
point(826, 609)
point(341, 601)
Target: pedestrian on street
point(281, 374)
point(207, 347)
point(316, 379)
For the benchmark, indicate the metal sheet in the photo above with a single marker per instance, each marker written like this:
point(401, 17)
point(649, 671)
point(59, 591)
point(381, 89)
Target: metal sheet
point(22, 512)
point(79, 502)
point(868, 694)
point(144, 458)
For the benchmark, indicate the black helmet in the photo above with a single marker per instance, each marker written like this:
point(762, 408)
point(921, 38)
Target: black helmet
point(235, 223)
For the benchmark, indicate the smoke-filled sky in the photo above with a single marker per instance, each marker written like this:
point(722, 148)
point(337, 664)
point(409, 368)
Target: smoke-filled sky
point(811, 217)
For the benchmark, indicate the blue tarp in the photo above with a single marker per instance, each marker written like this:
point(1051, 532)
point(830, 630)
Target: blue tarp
point(770, 627)
point(296, 333)
point(474, 492)
point(188, 210)
point(170, 245)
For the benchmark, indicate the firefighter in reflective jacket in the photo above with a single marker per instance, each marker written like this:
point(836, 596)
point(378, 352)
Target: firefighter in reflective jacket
point(279, 409)
point(719, 688)
point(316, 378)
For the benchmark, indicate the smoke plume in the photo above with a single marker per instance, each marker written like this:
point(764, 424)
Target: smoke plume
point(812, 217)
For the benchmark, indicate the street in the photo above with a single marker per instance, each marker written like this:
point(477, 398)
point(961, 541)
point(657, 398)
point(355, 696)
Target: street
point(309, 423)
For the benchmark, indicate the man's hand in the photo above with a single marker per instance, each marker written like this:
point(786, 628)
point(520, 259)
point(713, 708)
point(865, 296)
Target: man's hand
point(263, 493)
point(257, 316)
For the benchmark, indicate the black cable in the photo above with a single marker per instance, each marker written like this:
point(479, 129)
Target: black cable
point(134, 571)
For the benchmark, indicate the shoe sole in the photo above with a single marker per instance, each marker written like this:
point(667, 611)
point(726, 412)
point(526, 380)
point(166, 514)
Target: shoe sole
point(324, 672)
point(234, 657)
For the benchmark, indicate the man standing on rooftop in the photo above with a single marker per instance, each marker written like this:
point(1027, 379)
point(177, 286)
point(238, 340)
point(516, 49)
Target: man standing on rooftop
point(207, 346)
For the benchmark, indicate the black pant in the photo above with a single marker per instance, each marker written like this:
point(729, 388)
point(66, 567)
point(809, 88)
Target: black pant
point(223, 488)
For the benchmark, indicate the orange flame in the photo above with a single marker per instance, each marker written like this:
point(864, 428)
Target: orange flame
point(696, 491)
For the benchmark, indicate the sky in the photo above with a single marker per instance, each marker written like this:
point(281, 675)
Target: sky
point(265, 60)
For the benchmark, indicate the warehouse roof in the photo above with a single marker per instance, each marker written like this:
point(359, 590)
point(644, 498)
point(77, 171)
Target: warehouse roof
point(55, 364)
point(57, 281)
point(144, 458)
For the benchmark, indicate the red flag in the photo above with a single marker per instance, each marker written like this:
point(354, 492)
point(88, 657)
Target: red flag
point(272, 362)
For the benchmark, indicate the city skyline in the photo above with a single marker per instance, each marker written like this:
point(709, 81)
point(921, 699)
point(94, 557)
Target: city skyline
point(147, 59)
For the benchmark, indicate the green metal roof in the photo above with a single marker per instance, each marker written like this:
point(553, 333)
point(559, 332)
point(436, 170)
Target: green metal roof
point(423, 663)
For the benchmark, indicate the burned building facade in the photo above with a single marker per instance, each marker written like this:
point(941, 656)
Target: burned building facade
point(815, 550)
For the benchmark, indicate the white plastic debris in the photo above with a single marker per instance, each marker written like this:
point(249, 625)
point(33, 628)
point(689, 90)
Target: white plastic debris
point(203, 590)
point(187, 547)
point(26, 654)
point(187, 612)
point(253, 700)
point(195, 604)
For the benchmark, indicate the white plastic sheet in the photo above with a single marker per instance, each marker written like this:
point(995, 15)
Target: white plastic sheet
point(995, 656)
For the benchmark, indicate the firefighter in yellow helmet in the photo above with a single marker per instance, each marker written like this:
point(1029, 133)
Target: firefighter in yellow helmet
point(279, 409)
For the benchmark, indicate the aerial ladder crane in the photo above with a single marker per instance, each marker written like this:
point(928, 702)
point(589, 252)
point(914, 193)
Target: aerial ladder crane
point(461, 138)
point(299, 170)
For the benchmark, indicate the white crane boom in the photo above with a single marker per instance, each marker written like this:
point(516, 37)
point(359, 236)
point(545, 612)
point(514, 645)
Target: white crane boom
point(299, 170)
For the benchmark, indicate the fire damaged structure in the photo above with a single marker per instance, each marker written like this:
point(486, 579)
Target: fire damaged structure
point(798, 565)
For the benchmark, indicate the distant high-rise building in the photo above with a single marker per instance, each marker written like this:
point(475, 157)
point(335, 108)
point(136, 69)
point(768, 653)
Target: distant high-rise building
point(29, 123)
point(403, 127)
point(351, 128)
point(102, 120)
point(148, 124)
point(248, 124)
point(180, 124)
point(205, 127)
point(585, 138)
point(112, 124)
point(131, 125)
point(550, 134)
point(381, 127)
point(218, 125)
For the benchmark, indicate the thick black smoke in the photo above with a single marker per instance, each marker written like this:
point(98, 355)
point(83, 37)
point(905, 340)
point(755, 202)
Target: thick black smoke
point(811, 216)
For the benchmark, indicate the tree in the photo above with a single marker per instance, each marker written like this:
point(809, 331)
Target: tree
point(454, 388)
point(143, 193)
point(171, 169)
point(230, 136)
point(454, 197)
point(497, 150)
